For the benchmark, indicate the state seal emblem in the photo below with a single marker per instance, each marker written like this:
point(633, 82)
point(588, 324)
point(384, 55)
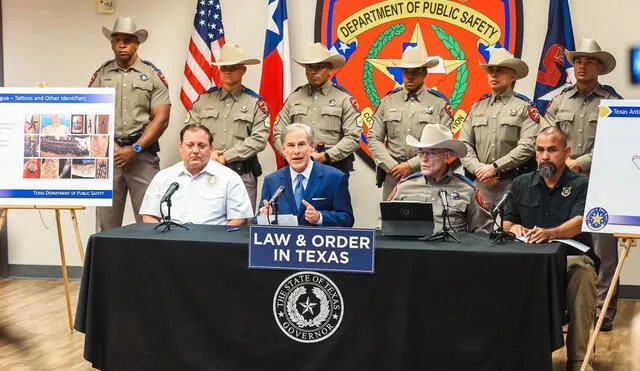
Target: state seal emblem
point(308, 307)
point(372, 34)
point(597, 218)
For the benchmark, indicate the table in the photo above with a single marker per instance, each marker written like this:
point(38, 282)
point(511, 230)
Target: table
point(185, 300)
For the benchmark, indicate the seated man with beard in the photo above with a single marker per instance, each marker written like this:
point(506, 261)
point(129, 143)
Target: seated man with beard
point(549, 204)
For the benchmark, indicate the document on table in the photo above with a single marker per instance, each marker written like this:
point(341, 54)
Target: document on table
point(573, 243)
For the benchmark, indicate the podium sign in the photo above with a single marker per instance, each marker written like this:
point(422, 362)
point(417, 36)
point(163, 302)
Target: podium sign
point(311, 248)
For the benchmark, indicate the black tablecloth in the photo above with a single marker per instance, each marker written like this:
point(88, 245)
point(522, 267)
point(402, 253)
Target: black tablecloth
point(185, 300)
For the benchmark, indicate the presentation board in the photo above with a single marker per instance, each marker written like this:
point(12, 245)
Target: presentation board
point(612, 201)
point(56, 146)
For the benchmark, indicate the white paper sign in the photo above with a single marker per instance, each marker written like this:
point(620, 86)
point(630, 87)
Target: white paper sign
point(56, 146)
point(613, 202)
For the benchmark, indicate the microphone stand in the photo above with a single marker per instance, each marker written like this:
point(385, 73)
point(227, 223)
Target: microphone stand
point(167, 222)
point(445, 234)
point(276, 206)
point(499, 235)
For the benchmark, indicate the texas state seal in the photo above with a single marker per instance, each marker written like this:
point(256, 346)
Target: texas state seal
point(308, 307)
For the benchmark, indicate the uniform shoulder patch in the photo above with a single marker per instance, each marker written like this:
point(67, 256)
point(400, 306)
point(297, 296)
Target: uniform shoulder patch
point(95, 74)
point(480, 200)
point(524, 98)
point(438, 94)
point(394, 91)
point(263, 106)
point(612, 91)
point(534, 114)
point(212, 90)
point(160, 75)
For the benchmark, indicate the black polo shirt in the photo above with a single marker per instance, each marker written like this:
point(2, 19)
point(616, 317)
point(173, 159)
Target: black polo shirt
point(533, 204)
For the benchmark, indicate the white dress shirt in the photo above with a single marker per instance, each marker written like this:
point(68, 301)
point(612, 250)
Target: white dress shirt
point(213, 196)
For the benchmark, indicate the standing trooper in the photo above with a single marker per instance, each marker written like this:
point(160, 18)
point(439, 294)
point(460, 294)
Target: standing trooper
point(501, 128)
point(575, 111)
point(142, 115)
point(237, 117)
point(327, 108)
point(405, 111)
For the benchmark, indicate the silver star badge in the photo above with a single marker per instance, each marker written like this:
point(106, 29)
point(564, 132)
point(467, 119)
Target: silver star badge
point(332, 102)
point(513, 112)
point(144, 77)
point(243, 109)
point(429, 109)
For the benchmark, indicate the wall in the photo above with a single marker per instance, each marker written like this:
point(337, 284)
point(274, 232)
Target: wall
point(61, 43)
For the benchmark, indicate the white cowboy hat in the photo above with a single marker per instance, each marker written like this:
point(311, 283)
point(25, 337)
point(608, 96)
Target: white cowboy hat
point(499, 57)
point(318, 53)
point(232, 54)
point(590, 48)
point(438, 136)
point(126, 26)
point(412, 57)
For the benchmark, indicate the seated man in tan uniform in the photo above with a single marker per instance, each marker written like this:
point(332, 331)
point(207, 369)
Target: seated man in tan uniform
point(435, 148)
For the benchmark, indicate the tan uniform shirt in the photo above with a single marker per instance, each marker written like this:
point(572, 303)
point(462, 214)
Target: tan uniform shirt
point(138, 90)
point(500, 129)
point(330, 111)
point(399, 115)
point(465, 212)
point(577, 115)
point(239, 121)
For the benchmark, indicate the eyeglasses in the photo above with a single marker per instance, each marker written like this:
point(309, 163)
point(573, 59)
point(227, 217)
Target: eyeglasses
point(430, 153)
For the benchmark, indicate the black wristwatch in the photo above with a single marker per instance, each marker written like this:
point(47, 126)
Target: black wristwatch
point(327, 158)
point(495, 166)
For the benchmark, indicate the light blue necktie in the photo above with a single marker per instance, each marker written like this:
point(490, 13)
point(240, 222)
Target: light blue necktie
point(298, 191)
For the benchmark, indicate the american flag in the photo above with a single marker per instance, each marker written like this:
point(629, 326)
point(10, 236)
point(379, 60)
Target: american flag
point(206, 41)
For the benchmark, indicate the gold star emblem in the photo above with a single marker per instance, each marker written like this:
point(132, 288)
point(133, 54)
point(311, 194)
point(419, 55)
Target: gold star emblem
point(389, 66)
point(597, 219)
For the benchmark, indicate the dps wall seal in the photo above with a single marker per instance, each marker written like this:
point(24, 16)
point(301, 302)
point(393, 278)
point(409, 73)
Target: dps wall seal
point(308, 307)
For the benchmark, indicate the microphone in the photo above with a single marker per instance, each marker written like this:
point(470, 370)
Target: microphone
point(277, 194)
point(500, 205)
point(172, 189)
point(443, 198)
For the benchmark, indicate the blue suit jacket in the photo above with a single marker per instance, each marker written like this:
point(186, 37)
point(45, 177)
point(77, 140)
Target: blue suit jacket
point(327, 190)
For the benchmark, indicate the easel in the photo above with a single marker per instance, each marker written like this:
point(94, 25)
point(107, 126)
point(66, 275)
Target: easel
point(628, 241)
point(74, 220)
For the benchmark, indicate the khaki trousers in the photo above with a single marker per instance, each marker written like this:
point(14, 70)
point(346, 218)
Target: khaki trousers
point(581, 303)
point(387, 186)
point(251, 184)
point(606, 247)
point(135, 179)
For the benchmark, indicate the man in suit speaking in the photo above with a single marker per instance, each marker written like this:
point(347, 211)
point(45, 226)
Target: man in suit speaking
point(318, 194)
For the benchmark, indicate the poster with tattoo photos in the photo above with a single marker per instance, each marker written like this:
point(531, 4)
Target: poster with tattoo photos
point(56, 146)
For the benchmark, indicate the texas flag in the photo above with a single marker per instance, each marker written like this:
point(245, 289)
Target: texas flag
point(275, 84)
point(555, 72)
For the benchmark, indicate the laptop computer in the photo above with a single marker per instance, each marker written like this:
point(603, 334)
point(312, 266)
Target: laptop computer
point(406, 218)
